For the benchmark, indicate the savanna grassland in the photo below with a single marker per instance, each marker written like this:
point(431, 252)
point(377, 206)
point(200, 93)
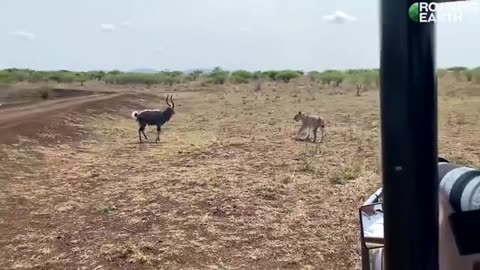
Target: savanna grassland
point(227, 187)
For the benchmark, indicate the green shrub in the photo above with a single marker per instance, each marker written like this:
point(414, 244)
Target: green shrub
point(133, 78)
point(455, 69)
point(332, 76)
point(286, 75)
point(257, 75)
point(44, 92)
point(271, 74)
point(194, 75)
point(218, 76)
point(361, 80)
point(241, 76)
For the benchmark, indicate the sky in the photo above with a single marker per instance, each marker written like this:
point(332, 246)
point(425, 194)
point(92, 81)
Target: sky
point(186, 34)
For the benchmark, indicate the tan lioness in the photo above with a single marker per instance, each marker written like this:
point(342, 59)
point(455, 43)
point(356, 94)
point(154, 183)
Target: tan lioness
point(310, 123)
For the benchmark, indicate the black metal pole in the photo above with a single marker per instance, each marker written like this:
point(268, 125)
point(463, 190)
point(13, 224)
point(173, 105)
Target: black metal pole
point(409, 139)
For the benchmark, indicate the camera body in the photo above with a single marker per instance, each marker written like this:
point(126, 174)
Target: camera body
point(459, 221)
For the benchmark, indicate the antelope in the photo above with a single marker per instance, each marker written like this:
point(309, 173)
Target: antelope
point(154, 118)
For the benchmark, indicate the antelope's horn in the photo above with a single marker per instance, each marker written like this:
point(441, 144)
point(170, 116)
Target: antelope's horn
point(171, 100)
point(166, 100)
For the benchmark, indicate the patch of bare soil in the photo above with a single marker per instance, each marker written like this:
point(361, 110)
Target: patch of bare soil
point(26, 120)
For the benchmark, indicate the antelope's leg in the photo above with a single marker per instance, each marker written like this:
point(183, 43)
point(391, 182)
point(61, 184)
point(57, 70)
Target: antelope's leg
point(159, 129)
point(142, 130)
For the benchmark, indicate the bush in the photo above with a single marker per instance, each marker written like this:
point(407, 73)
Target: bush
point(257, 75)
point(44, 92)
point(194, 75)
point(38, 76)
point(361, 80)
point(332, 76)
point(286, 75)
point(218, 76)
point(271, 74)
point(300, 72)
point(61, 76)
point(14, 75)
point(456, 69)
point(114, 72)
point(170, 77)
point(133, 78)
point(241, 76)
point(95, 75)
point(169, 80)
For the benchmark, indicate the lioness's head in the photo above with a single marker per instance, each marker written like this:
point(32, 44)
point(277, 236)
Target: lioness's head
point(298, 116)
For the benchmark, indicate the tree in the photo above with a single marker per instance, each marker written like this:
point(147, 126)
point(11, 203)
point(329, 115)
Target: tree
point(115, 72)
point(195, 74)
point(169, 80)
point(271, 74)
point(286, 75)
point(361, 80)
point(325, 78)
point(330, 76)
point(337, 78)
point(456, 69)
point(257, 75)
point(241, 76)
point(218, 76)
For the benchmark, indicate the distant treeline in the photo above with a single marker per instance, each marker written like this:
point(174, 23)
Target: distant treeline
point(218, 75)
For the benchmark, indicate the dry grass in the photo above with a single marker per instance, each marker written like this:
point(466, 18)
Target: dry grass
point(226, 188)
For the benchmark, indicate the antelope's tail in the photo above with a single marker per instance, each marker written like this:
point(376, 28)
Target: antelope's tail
point(134, 115)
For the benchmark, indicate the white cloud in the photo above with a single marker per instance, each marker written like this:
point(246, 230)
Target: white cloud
point(24, 35)
point(339, 17)
point(126, 24)
point(107, 27)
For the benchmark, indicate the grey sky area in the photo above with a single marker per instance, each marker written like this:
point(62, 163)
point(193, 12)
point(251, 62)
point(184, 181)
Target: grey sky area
point(185, 34)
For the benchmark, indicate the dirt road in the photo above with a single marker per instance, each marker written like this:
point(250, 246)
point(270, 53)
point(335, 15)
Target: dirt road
point(12, 117)
point(25, 120)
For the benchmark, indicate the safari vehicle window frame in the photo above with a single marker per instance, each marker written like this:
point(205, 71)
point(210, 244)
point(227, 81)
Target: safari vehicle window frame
point(409, 138)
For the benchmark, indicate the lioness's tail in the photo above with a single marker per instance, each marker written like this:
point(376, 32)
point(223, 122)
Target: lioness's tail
point(323, 122)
